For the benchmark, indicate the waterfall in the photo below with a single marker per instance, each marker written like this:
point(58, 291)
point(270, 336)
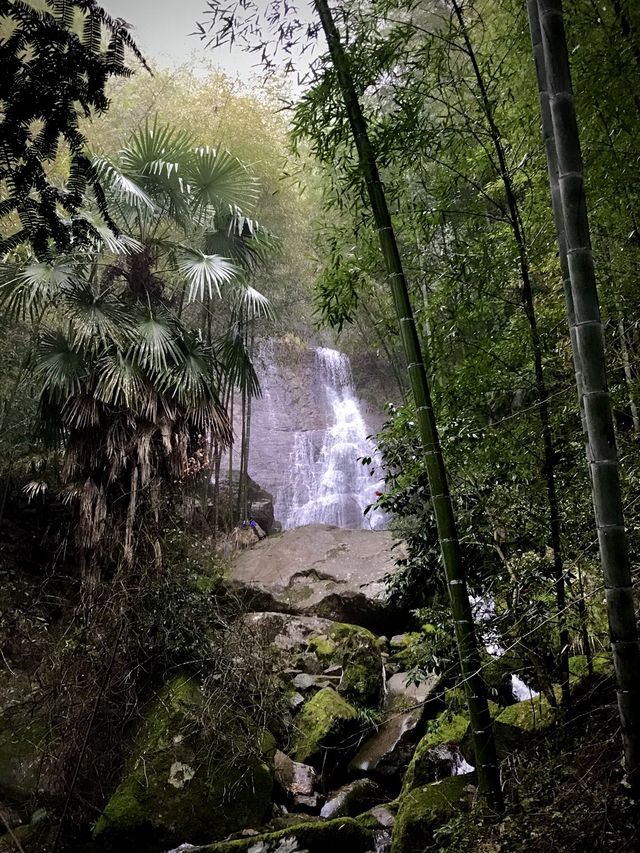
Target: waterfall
point(326, 482)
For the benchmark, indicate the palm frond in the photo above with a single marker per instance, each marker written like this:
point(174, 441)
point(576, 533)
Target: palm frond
point(120, 184)
point(253, 305)
point(61, 366)
point(154, 343)
point(235, 362)
point(31, 289)
point(97, 317)
point(120, 380)
point(220, 180)
point(205, 274)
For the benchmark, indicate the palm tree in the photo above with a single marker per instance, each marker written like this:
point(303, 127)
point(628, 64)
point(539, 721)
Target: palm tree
point(130, 387)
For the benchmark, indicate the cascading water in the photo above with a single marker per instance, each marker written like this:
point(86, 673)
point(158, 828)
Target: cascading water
point(484, 611)
point(327, 483)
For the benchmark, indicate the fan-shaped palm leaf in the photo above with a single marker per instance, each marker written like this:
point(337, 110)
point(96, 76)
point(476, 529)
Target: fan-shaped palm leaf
point(204, 273)
point(117, 244)
point(61, 366)
point(218, 179)
point(252, 304)
point(97, 316)
point(32, 289)
point(120, 184)
point(154, 342)
point(236, 363)
point(120, 380)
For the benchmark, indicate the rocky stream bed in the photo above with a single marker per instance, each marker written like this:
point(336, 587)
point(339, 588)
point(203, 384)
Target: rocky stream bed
point(363, 759)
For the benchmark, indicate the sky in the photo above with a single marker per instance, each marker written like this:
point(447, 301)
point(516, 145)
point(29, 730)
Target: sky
point(161, 29)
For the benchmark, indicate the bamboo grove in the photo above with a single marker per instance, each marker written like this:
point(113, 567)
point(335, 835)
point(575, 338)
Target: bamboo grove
point(427, 110)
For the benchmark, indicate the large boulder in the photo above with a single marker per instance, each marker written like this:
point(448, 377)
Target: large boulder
point(23, 733)
point(356, 653)
point(436, 754)
point(178, 785)
point(518, 723)
point(424, 809)
point(352, 799)
point(325, 729)
point(320, 570)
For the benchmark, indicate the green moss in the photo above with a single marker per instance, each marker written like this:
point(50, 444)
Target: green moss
point(531, 715)
point(325, 720)
point(322, 646)
point(357, 651)
point(344, 835)
point(173, 789)
point(579, 667)
point(447, 730)
point(423, 810)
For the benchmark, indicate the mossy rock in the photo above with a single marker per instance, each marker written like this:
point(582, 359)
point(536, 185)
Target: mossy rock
point(21, 745)
point(176, 786)
point(524, 720)
point(344, 835)
point(424, 809)
point(358, 652)
point(325, 723)
point(579, 676)
point(447, 730)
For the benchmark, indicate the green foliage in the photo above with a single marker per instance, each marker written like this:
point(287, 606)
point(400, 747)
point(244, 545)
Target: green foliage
point(55, 68)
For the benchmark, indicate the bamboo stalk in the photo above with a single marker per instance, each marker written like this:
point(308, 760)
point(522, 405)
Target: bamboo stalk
point(589, 337)
point(484, 744)
point(558, 219)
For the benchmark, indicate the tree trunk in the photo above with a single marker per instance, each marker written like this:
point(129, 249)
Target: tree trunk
point(589, 336)
point(548, 467)
point(484, 744)
point(558, 218)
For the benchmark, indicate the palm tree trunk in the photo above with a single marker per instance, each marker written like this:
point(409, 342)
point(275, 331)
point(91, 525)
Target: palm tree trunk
point(548, 466)
point(558, 218)
point(589, 335)
point(484, 744)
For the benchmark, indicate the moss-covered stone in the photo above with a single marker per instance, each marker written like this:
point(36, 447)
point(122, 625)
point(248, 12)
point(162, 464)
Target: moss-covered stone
point(21, 745)
point(447, 730)
point(176, 786)
point(344, 835)
point(579, 675)
point(324, 723)
point(424, 809)
point(357, 651)
point(518, 723)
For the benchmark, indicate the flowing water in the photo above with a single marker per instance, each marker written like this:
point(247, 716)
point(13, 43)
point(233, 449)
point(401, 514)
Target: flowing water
point(484, 611)
point(326, 481)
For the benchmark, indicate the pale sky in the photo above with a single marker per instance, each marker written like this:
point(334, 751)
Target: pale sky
point(161, 29)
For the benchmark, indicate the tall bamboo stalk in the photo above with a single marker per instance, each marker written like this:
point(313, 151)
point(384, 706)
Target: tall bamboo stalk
point(589, 336)
point(558, 219)
point(528, 304)
point(484, 744)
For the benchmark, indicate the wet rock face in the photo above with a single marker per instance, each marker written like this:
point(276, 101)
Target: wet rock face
point(292, 420)
point(320, 570)
point(387, 753)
